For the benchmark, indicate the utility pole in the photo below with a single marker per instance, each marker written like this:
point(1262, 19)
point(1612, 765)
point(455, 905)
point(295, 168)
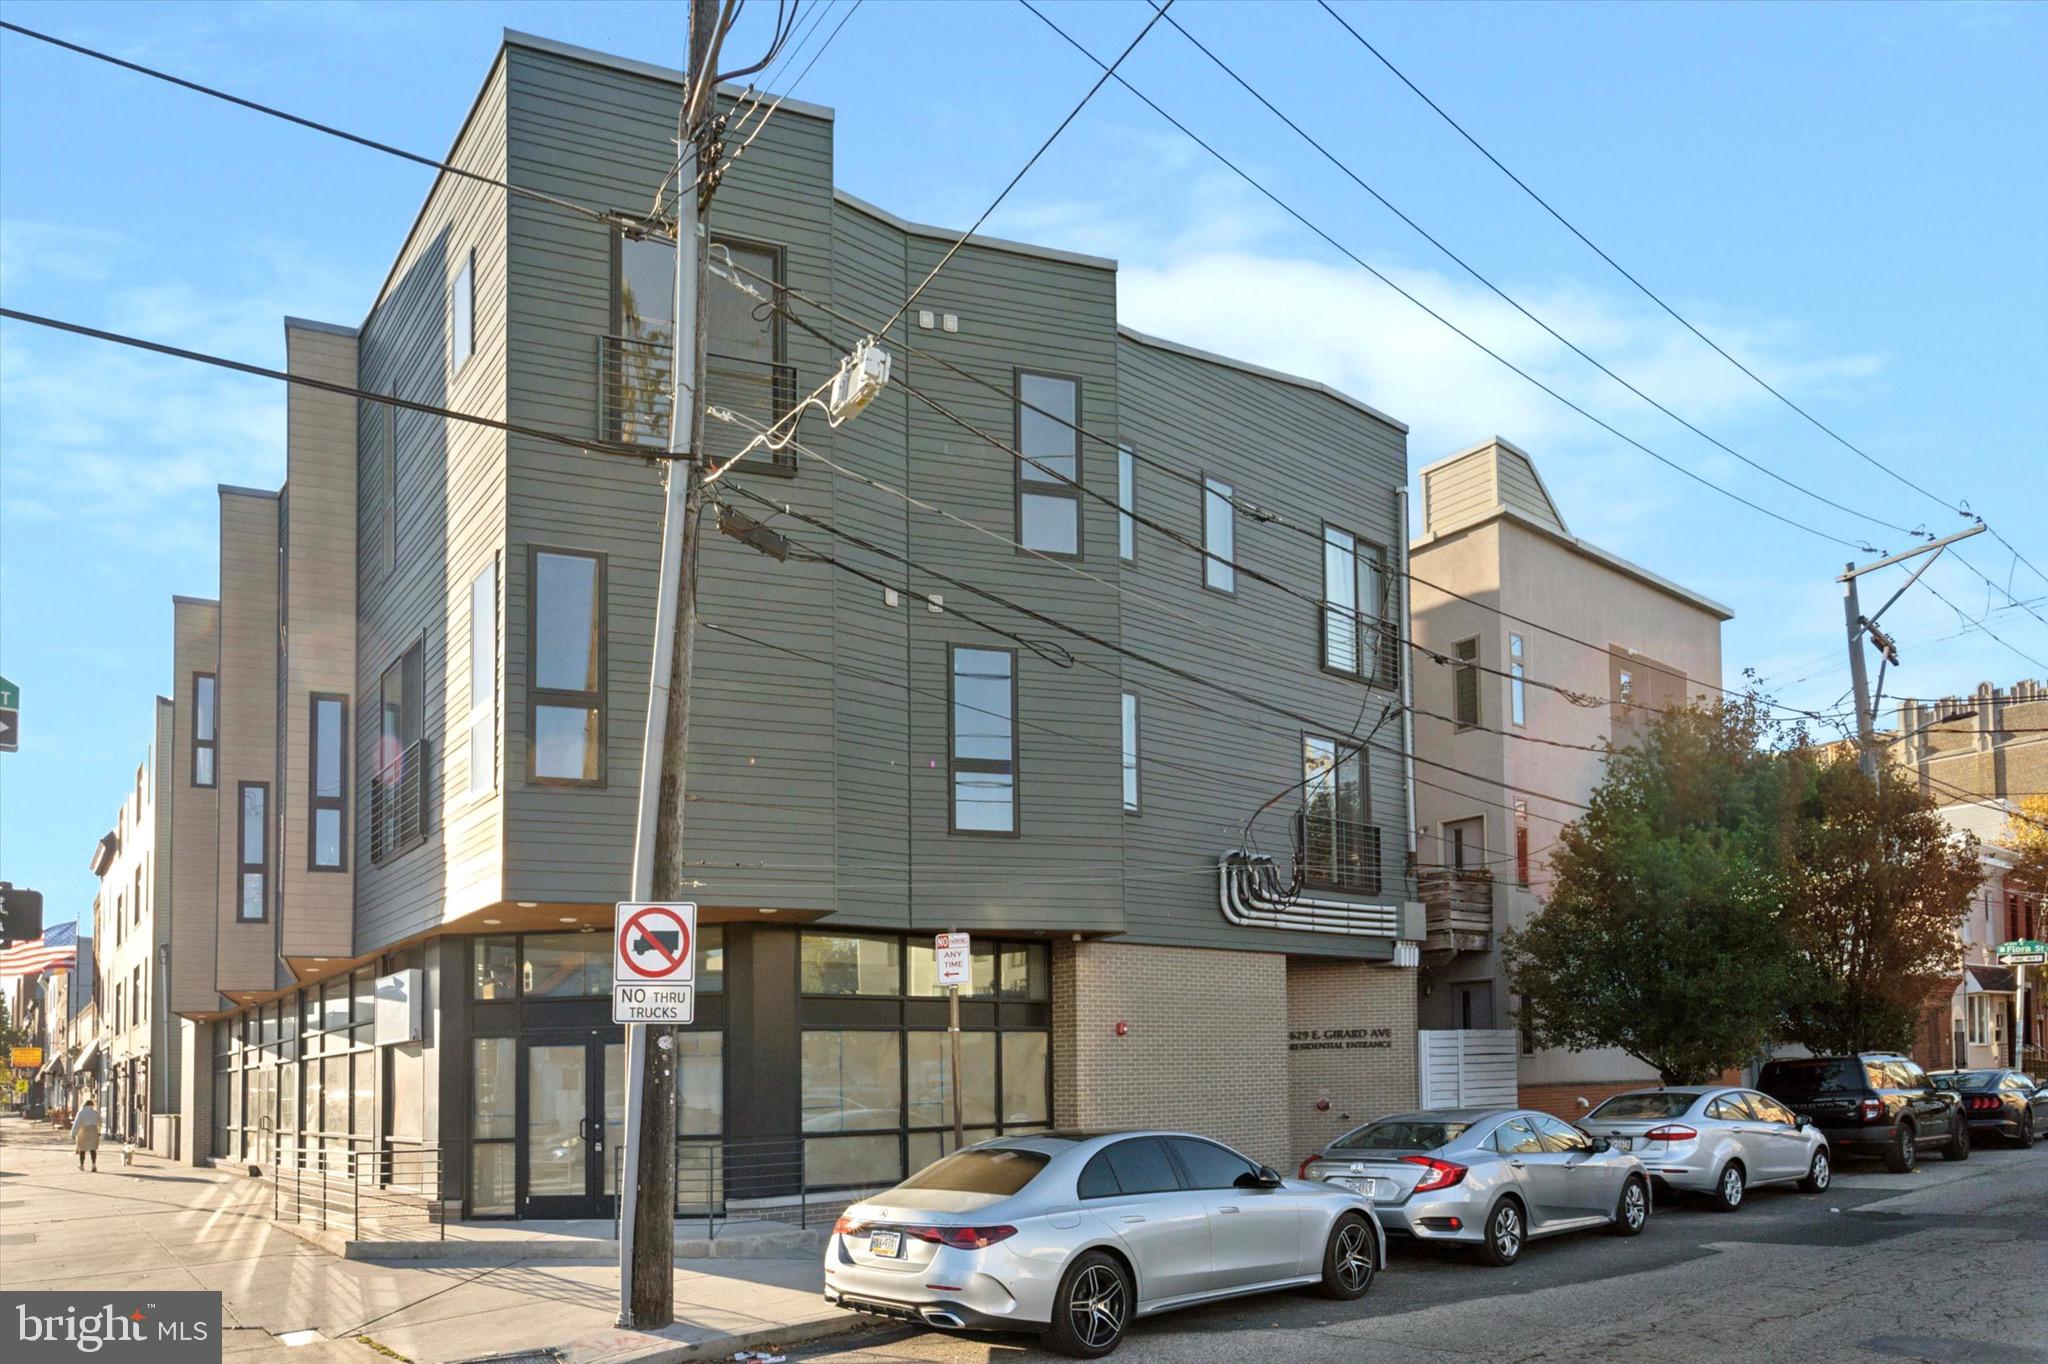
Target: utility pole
point(647, 1195)
point(1860, 625)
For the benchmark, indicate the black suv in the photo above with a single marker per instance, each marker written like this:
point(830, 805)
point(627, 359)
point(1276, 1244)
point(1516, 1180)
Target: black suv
point(1877, 1103)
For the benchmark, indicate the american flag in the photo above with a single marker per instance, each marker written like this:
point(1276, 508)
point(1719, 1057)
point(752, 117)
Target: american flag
point(58, 947)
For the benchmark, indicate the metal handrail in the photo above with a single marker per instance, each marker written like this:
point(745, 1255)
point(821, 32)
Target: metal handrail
point(379, 1188)
point(398, 805)
point(710, 1172)
point(1337, 854)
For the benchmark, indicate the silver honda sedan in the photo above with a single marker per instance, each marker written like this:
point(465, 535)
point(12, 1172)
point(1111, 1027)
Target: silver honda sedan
point(1490, 1178)
point(1077, 1235)
point(1716, 1141)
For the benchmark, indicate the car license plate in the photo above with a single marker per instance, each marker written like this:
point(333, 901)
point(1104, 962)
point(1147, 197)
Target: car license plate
point(1624, 1143)
point(886, 1245)
point(1369, 1187)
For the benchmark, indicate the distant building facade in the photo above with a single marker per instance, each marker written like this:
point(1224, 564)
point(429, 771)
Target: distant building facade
point(1492, 789)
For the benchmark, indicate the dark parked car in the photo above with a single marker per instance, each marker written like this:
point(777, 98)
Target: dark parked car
point(2002, 1101)
point(1875, 1104)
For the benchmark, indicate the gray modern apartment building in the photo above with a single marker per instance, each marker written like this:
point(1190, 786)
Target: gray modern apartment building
point(407, 734)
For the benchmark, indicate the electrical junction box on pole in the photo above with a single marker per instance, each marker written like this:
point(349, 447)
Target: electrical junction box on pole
point(654, 963)
point(950, 950)
point(861, 376)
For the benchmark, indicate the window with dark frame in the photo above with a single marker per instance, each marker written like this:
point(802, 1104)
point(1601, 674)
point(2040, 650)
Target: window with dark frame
point(1355, 598)
point(462, 315)
point(1517, 701)
point(1126, 503)
point(252, 898)
point(1465, 683)
point(1048, 435)
point(1340, 847)
point(1130, 752)
point(326, 846)
point(483, 680)
point(565, 706)
point(982, 747)
point(398, 814)
point(205, 715)
point(1219, 536)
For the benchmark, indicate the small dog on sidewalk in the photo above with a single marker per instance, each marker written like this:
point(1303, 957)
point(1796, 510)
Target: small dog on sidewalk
point(127, 1153)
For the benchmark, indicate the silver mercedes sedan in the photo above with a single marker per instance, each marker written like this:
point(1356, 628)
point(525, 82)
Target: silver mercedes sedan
point(1713, 1140)
point(1490, 1178)
point(1077, 1235)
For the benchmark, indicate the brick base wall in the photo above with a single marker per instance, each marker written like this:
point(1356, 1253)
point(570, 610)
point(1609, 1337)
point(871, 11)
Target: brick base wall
point(1351, 1044)
point(1562, 1101)
point(1206, 1047)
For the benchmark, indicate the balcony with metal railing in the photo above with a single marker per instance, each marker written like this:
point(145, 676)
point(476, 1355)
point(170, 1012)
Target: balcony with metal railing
point(1337, 854)
point(398, 815)
point(634, 377)
point(1457, 907)
point(1361, 646)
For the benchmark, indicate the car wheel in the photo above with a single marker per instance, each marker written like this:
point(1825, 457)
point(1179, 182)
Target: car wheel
point(1348, 1263)
point(2026, 1140)
point(1958, 1145)
point(1818, 1175)
point(1632, 1213)
point(1902, 1155)
point(1092, 1307)
point(1505, 1233)
point(1729, 1188)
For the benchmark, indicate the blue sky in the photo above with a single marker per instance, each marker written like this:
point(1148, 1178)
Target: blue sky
point(1850, 197)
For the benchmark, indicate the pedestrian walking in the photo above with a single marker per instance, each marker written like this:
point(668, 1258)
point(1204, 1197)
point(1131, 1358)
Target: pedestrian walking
point(85, 1134)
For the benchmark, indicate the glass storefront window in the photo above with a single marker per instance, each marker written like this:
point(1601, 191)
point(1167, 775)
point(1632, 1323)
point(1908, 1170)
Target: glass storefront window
point(1026, 1070)
point(931, 1091)
point(837, 1162)
point(496, 967)
point(711, 959)
point(334, 1012)
point(700, 1083)
point(495, 1078)
point(1026, 971)
point(851, 1081)
point(566, 965)
point(491, 1184)
point(334, 1095)
point(408, 1092)
point(924, 970)
point(926, 1147)
point(846, 965)
point(365, 1091)
point(365, 991)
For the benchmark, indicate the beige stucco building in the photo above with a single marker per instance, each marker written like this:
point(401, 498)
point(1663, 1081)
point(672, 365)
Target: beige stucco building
point(1495, 694)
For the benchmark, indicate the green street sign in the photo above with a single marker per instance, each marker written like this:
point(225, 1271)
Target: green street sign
point(10, 695)
point(10, 717)
point(2023, 952)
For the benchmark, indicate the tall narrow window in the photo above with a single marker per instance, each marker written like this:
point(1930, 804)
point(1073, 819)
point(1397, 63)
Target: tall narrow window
point(204, 717)
point(1126, 503)
point(1219, 535)
point(398, 810)
point(329, 762)
point(1465, 683)
point(1049, 475)
point(1354, 608)
point(253, 901)
point(1521, 842)
point(984, 741)
point(398, 709)
point(387, 425)
point(1516, 702)
point(1339, 845)
point(483, 679)
point(1130, 753)
point(565, 646)
point(462, 315)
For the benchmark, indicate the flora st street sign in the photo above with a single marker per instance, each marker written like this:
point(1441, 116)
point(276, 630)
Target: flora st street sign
point(10, 717)
point(2023, 952)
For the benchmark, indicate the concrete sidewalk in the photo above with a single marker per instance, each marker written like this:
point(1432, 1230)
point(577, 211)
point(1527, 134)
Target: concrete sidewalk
point(156, 1224)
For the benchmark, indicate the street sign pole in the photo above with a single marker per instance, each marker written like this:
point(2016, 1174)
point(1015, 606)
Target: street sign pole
point(952, 962)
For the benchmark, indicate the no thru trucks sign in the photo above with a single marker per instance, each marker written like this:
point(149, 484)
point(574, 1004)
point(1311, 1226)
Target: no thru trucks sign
point(654, 963)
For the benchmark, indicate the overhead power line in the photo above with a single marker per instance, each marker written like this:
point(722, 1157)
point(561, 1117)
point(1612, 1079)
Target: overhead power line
point(597, 447)
point(1647, 292)
point(1467, 336)
point(1515, 303)
point(1107, 72)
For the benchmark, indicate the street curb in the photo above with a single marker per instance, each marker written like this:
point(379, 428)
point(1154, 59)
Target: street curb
point(644, 1347)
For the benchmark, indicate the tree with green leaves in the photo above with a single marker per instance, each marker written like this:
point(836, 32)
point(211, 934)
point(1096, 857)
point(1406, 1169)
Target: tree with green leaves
point(1664, 934)
point(1880, 888)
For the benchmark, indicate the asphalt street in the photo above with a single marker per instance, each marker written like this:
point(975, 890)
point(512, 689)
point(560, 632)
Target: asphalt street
point(1947, 1263)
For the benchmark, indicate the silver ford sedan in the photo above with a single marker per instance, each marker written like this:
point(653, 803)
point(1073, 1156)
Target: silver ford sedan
point(1076, 1235)
point(1490, 1178)
point(1717, 1141)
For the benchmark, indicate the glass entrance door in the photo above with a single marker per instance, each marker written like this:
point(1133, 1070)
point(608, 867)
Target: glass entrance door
point(574, 1121)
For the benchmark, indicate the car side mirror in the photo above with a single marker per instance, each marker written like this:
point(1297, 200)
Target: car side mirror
point(1801, 1120)
point(1265, 1177)
point(1602, 1144)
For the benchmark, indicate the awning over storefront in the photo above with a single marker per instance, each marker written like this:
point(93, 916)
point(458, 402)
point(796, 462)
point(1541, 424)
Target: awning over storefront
point(1991, 980)
point(49, 1065)
point(86, 1057)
